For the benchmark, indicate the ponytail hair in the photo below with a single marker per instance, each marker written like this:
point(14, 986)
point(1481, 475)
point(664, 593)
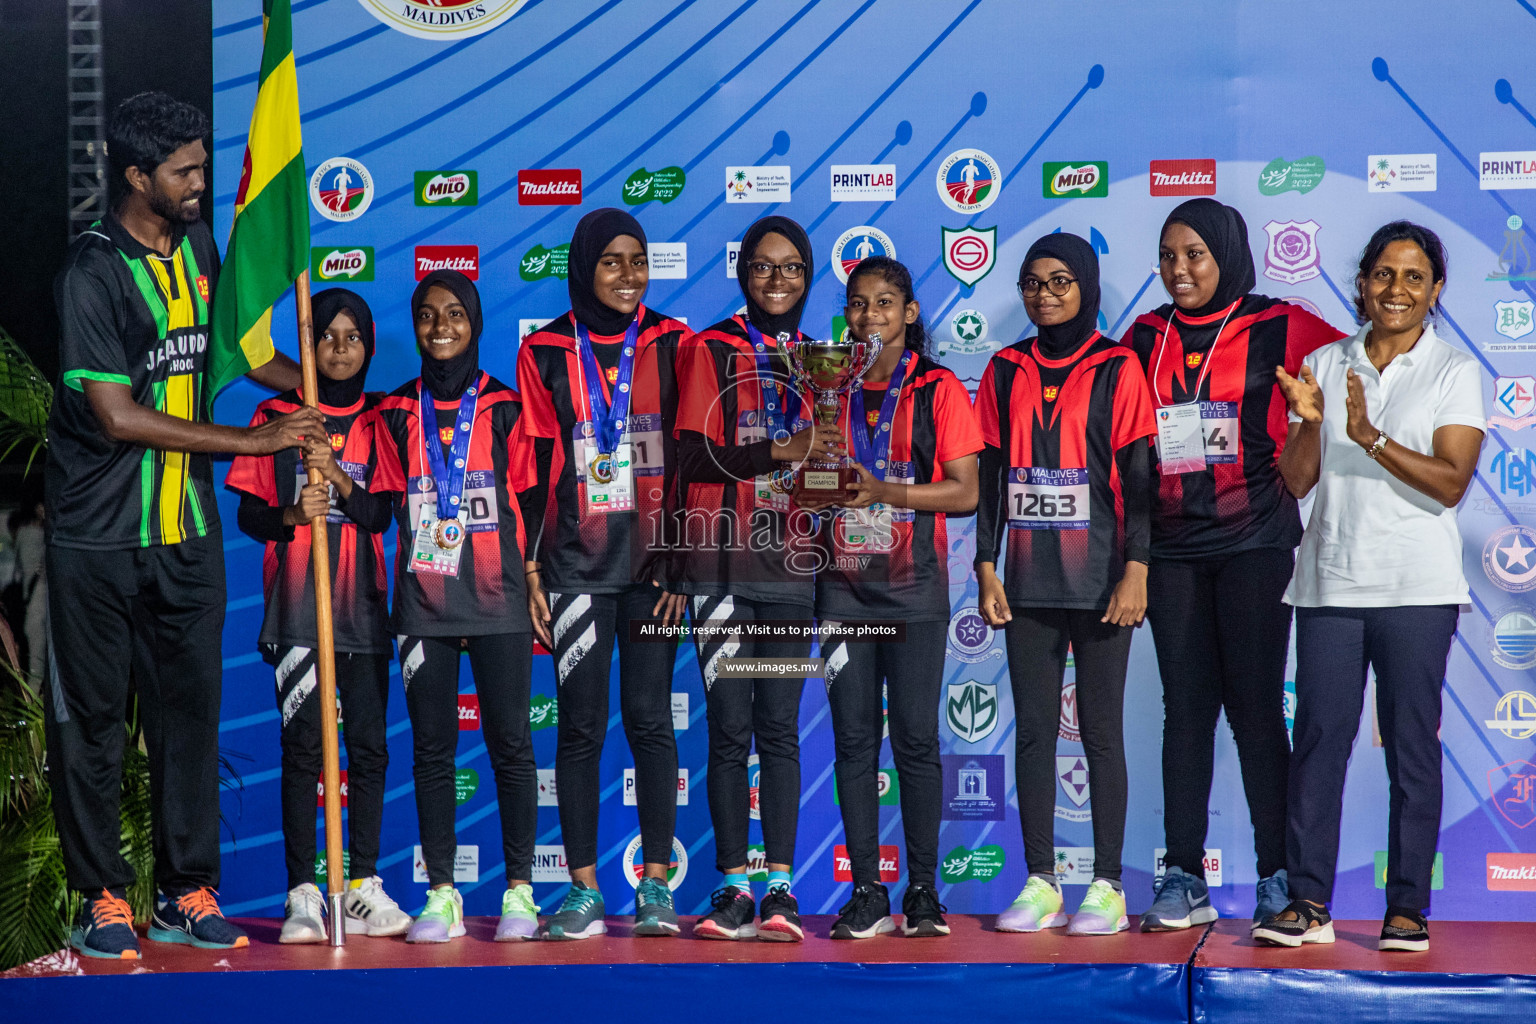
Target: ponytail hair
point(899, 277)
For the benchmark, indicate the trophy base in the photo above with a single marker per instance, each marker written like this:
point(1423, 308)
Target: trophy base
point(826, 485)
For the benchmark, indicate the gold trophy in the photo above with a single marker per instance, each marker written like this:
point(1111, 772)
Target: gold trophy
point(828, 369)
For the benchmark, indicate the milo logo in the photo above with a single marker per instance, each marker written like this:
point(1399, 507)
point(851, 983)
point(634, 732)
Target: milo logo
point(663, 186)
point(447, 188)
point(1089, 179)
point(538, 263)
point(543, 712)
point(333, 264)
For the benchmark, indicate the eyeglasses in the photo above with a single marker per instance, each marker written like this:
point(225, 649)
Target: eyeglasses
point(1058, 285)
point(791, 271)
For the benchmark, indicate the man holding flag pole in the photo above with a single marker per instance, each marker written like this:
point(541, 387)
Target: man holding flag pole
point(135, 552)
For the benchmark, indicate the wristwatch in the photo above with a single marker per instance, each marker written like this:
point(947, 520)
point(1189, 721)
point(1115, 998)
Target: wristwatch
point(1378, 446)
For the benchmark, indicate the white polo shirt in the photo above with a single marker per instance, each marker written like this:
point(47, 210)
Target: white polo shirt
point(1372, 541)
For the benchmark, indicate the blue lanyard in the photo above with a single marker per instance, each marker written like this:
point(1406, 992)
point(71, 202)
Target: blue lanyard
point(608, 419)
point(873, 456)
point(780, 421)
point(448, 478)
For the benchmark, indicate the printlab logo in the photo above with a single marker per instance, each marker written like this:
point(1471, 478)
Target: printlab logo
point(973, 787)
point(963, 864)
point(333, 264)
point(968, 181)
point(466, 783)
point(1514, 715)
point(1515, 469)
point(858, 244)
point(969, 253)
point(1089, 179)
point(469, 712)
point(630, 794)
point(1211, 863)
point(757, 184)
point(538, 263)
point(663, 186)
point(1072, 773)
point(677, 868)
point(552, 187)
point(1514, 402)
point(463, 258)
point(1512, 787)
point(1291, 256)
point(863, 183)
point(890, 864)
point(971, 708)
point(442, 19)
point(1512, 872)
point(466, 864)
point(967, 336)
point(447, 188)
point(1513, 169)
point(1182, 177)
point(1404, 172)
point(1513, 319)
point(341, 189)
point(1302, 175)
point(970, 638)
point(1509, 559)
point(1074, 865)
point(549, 864)
point(1515, 256)
point(1512, 640)
point(549, 793)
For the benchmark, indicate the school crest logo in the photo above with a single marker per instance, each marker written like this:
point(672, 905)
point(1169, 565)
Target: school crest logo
point(1291, 256)
point(971, 708)
point(1514, 319)
point(969, 253)
point(1514, 402)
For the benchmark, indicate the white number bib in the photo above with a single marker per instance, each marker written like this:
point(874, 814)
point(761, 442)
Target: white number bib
point(356, 470)
point(1048, 499)
point(1218, 426)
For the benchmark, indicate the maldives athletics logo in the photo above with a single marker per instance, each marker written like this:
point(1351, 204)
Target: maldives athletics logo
point(341, 189)
point(447, 188)
point(969, 180)
point(334, 264)
point(856, 245)
point(677, 870)
point(442, 19)
point(1086, 180)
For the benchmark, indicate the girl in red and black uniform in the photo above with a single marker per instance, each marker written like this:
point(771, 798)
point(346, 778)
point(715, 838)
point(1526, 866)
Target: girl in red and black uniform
point(1224, 531)
point(746, 556)
point(459, 586)
point(1066, 479)
point(276, 505)
point(885, 560)
point(600, 387)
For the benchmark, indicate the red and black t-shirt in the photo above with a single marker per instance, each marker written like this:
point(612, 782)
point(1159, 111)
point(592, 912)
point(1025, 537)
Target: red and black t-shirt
point(487, 596)
point(359, 590)
point(1239, 501)
point(733, 541)
point(1057, 485)
point(583, 551)
point(898, 566)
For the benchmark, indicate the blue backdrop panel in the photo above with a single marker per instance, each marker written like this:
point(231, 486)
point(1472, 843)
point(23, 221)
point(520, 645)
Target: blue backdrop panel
point(611, 89)
point(1223, 995)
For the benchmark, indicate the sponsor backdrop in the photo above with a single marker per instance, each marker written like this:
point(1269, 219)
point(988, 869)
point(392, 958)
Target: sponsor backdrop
point(474, 133)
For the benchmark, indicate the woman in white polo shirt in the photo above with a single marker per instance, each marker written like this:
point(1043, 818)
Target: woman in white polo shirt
point(1386, 426)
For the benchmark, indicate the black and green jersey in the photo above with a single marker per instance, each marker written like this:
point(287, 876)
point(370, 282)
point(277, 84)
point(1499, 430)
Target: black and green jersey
point(131, 316)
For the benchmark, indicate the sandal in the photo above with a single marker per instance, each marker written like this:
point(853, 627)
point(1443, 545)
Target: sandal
point(1306, 924)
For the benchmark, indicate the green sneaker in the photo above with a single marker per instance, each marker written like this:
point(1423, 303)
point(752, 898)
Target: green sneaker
point(580, 915)
point(1102, 911)
point(654, 913)
point(519, 915)
point(1038, 907)
point(443, 919)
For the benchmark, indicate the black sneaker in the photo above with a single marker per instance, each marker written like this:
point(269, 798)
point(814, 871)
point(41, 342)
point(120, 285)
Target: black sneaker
point(780, 917)
point(922, 913)
point(105, 927)
point(732, 917)
point(1308, 924)
point(866, 914)
point(1404, 940)
point(194, 918)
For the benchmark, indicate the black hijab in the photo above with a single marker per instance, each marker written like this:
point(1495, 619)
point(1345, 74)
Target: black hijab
point(593, 233)
point(342, 394)
point(787, 322)
point(447, 378)
point(1225, 234)
point(1059, 340)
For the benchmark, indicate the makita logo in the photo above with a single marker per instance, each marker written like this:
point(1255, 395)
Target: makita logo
point(469, 712)
point(890, 864)
point(549, 188)
point(1183, 177)
point(1512, 871)
point(463, 258)
point(1075, 179)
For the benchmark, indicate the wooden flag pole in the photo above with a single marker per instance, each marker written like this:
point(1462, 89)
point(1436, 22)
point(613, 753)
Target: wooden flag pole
point(325, 651)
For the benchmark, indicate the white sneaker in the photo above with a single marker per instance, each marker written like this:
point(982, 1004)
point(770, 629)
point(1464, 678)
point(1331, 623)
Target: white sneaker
point(370, 911)
point(303, 915)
